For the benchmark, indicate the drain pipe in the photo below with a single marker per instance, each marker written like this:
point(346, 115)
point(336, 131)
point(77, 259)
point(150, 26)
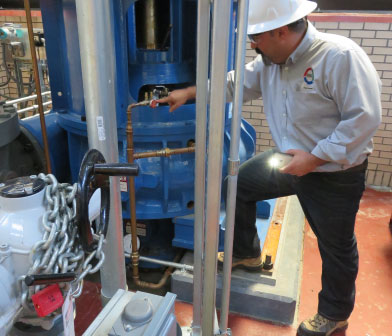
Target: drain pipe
point(233, 164)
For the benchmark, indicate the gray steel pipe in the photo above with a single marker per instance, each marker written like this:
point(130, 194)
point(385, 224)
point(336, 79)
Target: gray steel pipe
point(96, 42)
point(23, 99)
point(203, 46)
point(150, 24)
point(234, 160)
point(220, 37)
point(163, 262)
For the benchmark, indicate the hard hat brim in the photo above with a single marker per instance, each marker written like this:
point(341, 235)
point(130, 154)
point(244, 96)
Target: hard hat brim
point(305, 9)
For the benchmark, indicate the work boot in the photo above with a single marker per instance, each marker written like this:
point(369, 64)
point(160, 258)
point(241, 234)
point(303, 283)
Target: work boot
point(248, 264)
point(320, 326)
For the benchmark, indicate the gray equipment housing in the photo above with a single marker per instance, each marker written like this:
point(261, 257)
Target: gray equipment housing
point(136, 314)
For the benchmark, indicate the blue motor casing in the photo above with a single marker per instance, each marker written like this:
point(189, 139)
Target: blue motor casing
point(165, 185)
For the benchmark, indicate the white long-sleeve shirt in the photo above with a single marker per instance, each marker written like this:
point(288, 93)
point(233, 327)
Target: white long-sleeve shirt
point(324, 100)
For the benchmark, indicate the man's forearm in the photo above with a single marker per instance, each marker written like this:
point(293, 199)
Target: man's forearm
point(191, 92)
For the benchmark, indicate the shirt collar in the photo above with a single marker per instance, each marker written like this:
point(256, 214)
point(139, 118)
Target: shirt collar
point(304, 45)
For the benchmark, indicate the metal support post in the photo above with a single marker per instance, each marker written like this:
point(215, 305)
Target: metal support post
point(96, 41)
point(220, 37)
point(203, 45)
point(234, 160)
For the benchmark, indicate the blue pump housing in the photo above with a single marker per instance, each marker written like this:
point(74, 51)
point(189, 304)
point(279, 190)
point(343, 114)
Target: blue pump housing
point(165, 186)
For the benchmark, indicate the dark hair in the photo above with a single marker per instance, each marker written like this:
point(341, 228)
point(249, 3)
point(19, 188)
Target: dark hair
point(298, 26)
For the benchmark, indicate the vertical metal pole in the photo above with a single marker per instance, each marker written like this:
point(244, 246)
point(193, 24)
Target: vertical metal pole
point(150, 24)
point(220, 37)
point(96, 42)
point(37, 84)
point(234, 160)
point(203, 46)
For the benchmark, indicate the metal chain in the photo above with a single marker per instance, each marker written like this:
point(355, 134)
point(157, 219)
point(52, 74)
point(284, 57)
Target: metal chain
point(60, 250)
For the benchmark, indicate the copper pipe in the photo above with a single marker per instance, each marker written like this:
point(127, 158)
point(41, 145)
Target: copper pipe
point(164, 278)
point(37, 85)
point(164, 152)
point(132, 201)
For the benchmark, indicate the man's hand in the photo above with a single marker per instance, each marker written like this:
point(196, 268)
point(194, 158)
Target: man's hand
point(177, 98)
point(302, 163)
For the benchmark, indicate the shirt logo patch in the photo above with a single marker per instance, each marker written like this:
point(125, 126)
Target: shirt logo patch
point(309, 76)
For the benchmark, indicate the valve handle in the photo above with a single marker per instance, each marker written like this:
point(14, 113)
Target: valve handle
point(48, 279)
point(94, 174)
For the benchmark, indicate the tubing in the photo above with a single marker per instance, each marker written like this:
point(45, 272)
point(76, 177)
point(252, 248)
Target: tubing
point(32, 108)
point(233, 161)
point(164, 278)
point(23, 99)
point(37, 85)
point(132, 200)
point(164, 152)
point(164, 263)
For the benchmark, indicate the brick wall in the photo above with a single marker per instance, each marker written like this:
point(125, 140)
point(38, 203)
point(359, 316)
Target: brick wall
point(374, 34)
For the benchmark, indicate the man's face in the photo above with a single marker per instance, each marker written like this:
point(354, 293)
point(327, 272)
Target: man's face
point(266, 44)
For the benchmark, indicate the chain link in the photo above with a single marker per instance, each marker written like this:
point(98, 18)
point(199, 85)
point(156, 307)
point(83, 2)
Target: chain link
point(60, 250)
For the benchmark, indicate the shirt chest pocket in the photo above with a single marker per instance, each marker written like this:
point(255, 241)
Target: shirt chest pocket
point(309, 107)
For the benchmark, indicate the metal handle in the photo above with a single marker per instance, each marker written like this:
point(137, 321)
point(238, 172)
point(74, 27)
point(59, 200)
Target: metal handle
point(47, 279)
point(94, 174)
point(116, 169)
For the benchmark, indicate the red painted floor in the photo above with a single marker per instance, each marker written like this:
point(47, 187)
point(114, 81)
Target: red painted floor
point(372, 315)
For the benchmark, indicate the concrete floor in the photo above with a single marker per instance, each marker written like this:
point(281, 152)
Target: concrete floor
point(373, 309)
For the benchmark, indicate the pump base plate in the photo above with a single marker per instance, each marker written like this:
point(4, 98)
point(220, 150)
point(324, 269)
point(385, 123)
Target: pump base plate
point(269, 295)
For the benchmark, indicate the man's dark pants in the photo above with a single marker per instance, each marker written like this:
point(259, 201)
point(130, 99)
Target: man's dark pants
point(330, 202)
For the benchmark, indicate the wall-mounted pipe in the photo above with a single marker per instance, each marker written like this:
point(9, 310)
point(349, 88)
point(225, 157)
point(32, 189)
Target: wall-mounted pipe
point(23, 99)
point(33, 107)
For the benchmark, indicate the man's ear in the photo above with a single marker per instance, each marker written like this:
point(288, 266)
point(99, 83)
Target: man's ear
point(283, 32)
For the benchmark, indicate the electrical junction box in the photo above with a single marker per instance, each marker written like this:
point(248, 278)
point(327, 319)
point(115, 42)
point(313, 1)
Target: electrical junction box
point(136, 314)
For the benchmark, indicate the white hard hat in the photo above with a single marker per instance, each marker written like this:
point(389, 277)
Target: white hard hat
point(266, 15)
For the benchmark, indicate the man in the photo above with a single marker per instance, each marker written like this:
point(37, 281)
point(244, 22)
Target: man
point(321, 98)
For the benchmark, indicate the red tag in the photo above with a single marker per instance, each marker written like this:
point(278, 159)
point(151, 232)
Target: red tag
point(47, 300)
